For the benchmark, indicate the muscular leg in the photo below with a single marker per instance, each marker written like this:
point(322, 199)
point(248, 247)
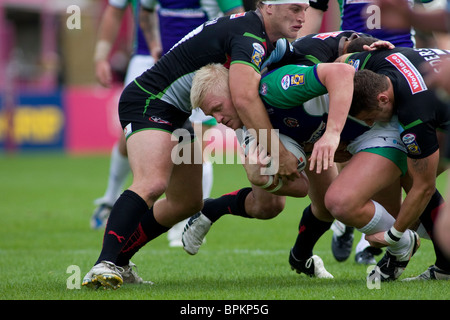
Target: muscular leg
point(149, 153)
point(316, 219)
point(349, 196)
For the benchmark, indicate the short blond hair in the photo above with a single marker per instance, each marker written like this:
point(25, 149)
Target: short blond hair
point(210, 78)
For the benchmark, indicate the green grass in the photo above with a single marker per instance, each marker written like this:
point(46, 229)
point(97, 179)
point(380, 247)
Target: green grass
point(46, 203)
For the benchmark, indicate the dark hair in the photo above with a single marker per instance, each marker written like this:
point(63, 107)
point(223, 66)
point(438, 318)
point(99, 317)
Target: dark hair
point(357, 45)
point(367, 86)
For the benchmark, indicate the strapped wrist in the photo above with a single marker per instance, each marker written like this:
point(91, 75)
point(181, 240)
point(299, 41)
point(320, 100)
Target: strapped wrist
point(278, 187)
point(102, 49)
point(268, 183)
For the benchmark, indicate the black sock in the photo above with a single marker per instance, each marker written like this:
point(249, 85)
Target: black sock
point(428, 219)
point(309, 232)
point(147, 230)
point(230, 203)
point(123, 221)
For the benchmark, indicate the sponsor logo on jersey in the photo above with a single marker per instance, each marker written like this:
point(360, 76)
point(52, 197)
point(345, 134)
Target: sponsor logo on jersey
point(327, 35)
point(354, 62)
point(292, 80)
point(258, 54)
point(286, 82)
point(409, 71)
point(263, 90)
point(237, 15)
point(291, 122)
point(127, 131)
point(159, 120)
point(410, 142)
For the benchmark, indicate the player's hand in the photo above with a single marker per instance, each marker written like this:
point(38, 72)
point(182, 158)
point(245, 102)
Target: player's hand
point(322, 156)
point(103, 73)
point(156, 50)
point(380, 44)
point(287, 166)
point(256, 159)
point(377, 240)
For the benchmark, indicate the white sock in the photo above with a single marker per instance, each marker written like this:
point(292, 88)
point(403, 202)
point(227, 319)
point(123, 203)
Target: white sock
point(118, 173)
point(362, 244)
point(383, 221)
point(400, 248)
point(207, 179)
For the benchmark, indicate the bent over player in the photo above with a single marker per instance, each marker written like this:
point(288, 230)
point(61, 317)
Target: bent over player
point(423, 117)
point(158, 102)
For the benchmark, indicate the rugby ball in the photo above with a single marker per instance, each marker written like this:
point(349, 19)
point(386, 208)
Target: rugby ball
point(290, 144)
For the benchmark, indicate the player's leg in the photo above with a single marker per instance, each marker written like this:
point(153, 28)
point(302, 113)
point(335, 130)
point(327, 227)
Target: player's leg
point(390, 198)
point(200, 123)
point(343, 236)
point(355, 207)
point(119, 167)
point(181, 200)
point(315, 221)
point(246, 202)
point(150, 159)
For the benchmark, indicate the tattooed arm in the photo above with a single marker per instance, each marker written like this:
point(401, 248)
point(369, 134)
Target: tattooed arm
point(423, 175)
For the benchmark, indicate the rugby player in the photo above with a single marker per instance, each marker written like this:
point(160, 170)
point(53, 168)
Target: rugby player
point(391, 82)
point(158, 102)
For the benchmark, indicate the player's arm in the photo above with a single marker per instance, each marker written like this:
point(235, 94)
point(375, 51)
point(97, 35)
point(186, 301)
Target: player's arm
point(423, 175)
point(397, 14)
point(255, 160)
point(148, 22)
point(244, 88)
point(313, 22)
point(107, 33)
point(338, 79)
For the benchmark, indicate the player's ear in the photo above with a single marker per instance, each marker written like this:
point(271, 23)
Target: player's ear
point(383, 98)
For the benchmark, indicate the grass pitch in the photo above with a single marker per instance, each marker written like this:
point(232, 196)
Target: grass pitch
point(47, 246)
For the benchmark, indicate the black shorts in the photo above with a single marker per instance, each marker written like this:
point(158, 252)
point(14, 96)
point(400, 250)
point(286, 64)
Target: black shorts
point(138, 111)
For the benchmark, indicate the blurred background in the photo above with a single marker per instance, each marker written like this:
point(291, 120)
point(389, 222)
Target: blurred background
point(49, 97)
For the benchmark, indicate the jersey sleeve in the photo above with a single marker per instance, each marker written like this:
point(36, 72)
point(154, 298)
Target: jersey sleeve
point(419, 138)
point(291, 85)
point(228, 5)
point(248, 49)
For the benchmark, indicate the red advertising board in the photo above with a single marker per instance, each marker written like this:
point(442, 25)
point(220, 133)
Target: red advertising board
point(92, 118)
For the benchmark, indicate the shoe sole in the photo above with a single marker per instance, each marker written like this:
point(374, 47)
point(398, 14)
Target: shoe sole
point(109, 281)
point(93, 284)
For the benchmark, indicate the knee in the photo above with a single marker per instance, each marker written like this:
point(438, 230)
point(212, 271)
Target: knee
point(338, 205)
point(268, 210)
point(150, 192)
